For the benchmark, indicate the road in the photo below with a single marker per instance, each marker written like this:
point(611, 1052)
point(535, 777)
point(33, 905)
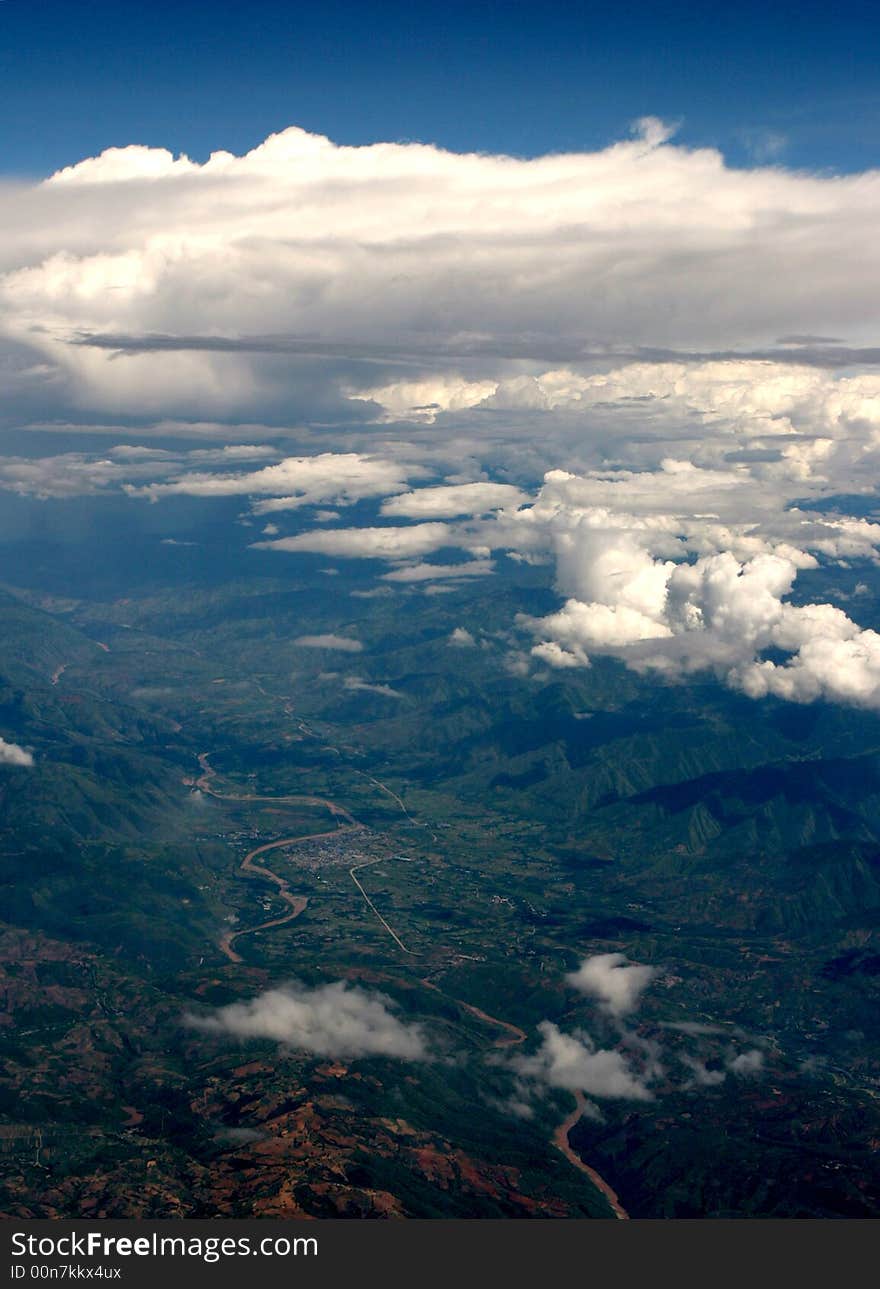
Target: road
point(394, 797)
point(394, 936)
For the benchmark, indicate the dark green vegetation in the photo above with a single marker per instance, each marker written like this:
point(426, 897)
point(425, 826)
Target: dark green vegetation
point(509, 828)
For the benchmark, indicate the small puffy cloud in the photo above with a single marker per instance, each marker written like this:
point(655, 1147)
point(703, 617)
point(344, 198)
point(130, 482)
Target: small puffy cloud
point(337, 1020)
point(573, 1062)
point(12, 754)
point(450, 500)
point(462, 638)
point(392, 543)
point(747, 1064)
point(330, 641)
point(616, 982)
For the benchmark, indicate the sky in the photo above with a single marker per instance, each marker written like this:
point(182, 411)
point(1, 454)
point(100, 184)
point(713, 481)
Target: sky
point(790, 81)
point(533, 284)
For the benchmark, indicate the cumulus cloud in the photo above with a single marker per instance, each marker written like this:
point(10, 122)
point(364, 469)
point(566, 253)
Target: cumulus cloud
point(345, 644)
point(421, 400)
point(573, 1062)
point(462, 638)
point(635, 1068)
point(616, 982)
point(336, 1020)
point(12, 754)
point(686, 568)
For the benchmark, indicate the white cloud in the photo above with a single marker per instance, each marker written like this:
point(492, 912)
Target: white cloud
point(338, 477)
point(12, 754)
point(357, 684)
point(330, 1020)
point(75, 474)
point(845, 670)
point(573, 1061)
point(687, 568)
point(229, 454)
point(449, 500)
point(747, 1064)
point(71, 474)
point(430, 572)
point(330, 641)
point(310, 275)
point(421, 400)
point(616, 982)
point(701, 1074)
point(462, 638)
point(390, 543)
point(307, 282)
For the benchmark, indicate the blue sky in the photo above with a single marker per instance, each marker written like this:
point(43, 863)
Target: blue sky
point(793, 83)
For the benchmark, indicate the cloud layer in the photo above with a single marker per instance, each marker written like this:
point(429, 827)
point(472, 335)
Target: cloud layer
point(305, 275)
point(640, 366)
